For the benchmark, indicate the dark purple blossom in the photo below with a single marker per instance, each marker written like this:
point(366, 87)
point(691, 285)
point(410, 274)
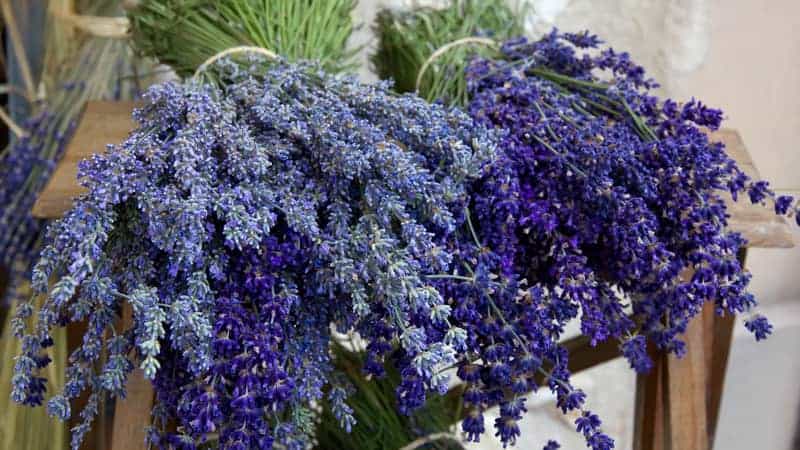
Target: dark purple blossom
point(782, 204)
point(634, 350)
point(551, 445)
point(473, 426)
point(759, 326)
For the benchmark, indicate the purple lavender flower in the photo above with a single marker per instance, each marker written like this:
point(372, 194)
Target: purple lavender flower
point(635, 350)
point(551, 445)
point(239, 222)
point(759, 326)
point(602, 196)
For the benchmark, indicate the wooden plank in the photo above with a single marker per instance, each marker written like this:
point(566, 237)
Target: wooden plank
point(583, 356)
point(757, 223)
point(649, 419)
point(718, 338)
point(719, 343)
point(93, 438)
point(670, 410)
point(102, 123)
point(685, 402)
point(132, 415)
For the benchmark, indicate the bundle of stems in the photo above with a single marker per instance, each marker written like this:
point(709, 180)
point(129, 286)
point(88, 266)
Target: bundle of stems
point(407, 39)
point(379, 425)
point(20, 427)
point(185, 33)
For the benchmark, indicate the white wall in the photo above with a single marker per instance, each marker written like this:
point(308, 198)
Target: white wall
point(752, 71)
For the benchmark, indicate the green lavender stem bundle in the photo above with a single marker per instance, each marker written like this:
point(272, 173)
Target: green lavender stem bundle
point(379, 425)
point(185, 33)
point(407, 39)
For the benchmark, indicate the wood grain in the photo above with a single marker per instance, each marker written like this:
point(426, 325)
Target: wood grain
point(102, 123)
point(717, 346)
point(677, 404)
point(757, 223)
point(672, 401)
point(132, 415)
point(685, 404)
point(649, 420)
point(718, 338)
point(93, 440)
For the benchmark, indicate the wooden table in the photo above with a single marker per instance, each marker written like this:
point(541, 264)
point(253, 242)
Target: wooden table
point(677, 404)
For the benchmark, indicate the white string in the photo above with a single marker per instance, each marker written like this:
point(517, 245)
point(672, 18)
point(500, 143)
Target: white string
point(107, 27)
point(230, 51)
point(445, 48)
point(429, 439)
point(16, 129)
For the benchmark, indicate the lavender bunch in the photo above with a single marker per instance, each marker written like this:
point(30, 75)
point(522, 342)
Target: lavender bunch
point(605, 205)
point(240, 220)
point(630, 180)
point(409, 39)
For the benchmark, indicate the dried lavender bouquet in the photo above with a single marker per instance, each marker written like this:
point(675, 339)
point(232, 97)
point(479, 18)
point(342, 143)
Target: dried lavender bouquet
point(604, 206)
point(242, 218)
point(238, 221)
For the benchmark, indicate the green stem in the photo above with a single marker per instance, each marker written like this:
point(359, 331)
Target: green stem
point(449, 277)
point(472, 229)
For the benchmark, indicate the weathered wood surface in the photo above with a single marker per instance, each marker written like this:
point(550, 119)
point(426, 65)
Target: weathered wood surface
point(757, 223)
point(102, 123)
point(718, 337)
point(649, 420)
point(685, 403)
point(677, 403)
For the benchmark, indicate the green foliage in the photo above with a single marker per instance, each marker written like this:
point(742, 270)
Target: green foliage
point(21, 428)
point(184, 33)
point(379, 425)
point(406, 39)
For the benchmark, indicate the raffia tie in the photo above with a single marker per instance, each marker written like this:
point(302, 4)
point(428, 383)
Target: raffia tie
point(424, 440)
point(447, 47)
point(106, 27)
point(233, 50)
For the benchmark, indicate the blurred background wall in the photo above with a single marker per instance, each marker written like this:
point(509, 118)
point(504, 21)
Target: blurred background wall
point(744, 57)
